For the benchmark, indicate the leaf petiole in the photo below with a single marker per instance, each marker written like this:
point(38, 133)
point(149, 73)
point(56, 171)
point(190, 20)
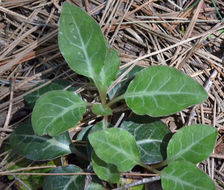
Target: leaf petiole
point(117, 99)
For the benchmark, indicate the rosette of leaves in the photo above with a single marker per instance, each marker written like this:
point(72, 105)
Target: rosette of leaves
point(154, 91)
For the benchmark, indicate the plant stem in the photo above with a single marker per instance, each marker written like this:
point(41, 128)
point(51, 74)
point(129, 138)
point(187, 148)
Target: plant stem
point(102, 93)
point(105, 122)
point(160, 165)
point(115, 100)
point(220, 16)
point(150, 168)
point(103, 97)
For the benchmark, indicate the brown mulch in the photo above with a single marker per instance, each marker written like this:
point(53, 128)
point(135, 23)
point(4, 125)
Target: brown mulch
point(145, 33)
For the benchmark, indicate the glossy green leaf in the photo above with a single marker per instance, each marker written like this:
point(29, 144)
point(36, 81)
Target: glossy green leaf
point(151, 138)
point(63, 182)
point(100, 109)
point(56, 85)
point(83, 134)
point(25, 142)
point(109, 71)
point(161, 91)
point(116, 146)
point(81, 41)
point(56, 112)
point(185, 176)
point(105, 171)
point(97, 127)
point(193, 143)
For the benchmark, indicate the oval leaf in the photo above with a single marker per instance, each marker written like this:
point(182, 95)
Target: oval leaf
point(194, 143)
point(185, 176)
point(63, 182)
point(161, 91)
point(100, 109)
point(105, 171)
point(109, 71)
point(56, 112)
point(116, 146)
point(151, 138)
point(81, 41)
point(25, 142)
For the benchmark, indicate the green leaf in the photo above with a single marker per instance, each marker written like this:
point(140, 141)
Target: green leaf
point(100, 126)
point(109, 71)
point(161, 91)
point(185, 176)
point(63, 182)
point(81, 41)
point(122, 86)
point(193, 143)
point(25, 142)
point(95, 186)
point(56, 112)
point(116, 146)
point(83, 134)
point(56, 85)
point(105, 171)
point(100, 109)
point(151, 138)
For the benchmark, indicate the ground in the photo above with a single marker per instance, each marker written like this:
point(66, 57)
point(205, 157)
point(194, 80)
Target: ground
point(180, 34)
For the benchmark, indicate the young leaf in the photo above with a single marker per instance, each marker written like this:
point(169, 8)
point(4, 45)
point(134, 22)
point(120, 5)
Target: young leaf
point(109, 71)
point(56, 112)
point(97, 127)
point(63, 182)
point(100, 109)
point(83, 134)
point(151, 138)
point(25, 142)
point(185, 176)
point(116, 146)
point(81, 41)
point(193, 143)
point(161, 91)
point(105, 171)
point(121, 87)
point(56, 85)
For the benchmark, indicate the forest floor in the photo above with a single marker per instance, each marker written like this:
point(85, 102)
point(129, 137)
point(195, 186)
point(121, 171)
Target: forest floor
point(180, 34)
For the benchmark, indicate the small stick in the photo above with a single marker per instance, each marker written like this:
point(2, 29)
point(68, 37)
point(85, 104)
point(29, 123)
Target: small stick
point(140, 182)
point(10, 104)
point(207, 87)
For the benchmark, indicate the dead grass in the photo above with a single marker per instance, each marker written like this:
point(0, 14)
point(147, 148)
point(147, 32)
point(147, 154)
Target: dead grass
point(145, 33)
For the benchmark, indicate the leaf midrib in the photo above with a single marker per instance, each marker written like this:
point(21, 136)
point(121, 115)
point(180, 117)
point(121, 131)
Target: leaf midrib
point(178, 180)
point(90, 69)
point(117, 149)
point(67, 109)
point(50, 141)
point(155, 93)
point(173, 157)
